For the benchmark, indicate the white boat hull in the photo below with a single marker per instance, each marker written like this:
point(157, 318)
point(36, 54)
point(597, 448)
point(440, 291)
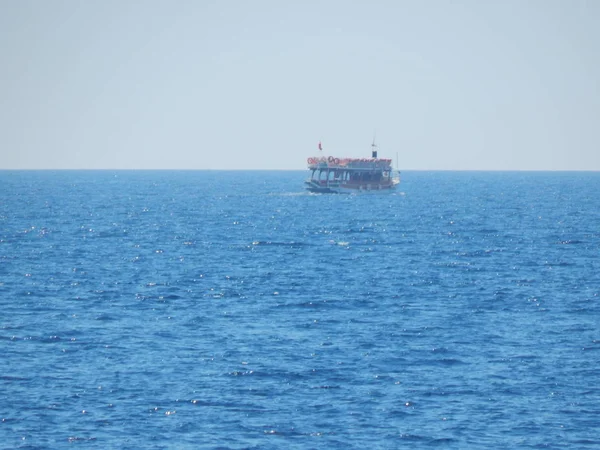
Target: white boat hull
point(333, 188)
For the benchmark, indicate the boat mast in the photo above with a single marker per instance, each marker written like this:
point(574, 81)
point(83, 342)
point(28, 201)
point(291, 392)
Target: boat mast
point(373, 147)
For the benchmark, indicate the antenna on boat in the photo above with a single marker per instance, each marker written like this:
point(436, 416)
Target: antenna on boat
point(373, 147)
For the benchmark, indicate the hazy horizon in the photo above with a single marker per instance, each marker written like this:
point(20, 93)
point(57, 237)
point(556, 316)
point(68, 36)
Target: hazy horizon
point(464, 85)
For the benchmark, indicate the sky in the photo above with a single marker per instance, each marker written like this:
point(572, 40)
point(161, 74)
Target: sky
point(237, 84)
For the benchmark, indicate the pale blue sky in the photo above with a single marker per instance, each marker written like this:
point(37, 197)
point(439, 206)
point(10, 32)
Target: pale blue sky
point(148, 84)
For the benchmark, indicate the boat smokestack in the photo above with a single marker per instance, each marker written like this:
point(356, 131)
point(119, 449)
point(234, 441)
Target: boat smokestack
point(374, 154)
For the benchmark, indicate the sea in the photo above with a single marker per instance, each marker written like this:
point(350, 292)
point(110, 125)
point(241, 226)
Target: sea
point(234, 310)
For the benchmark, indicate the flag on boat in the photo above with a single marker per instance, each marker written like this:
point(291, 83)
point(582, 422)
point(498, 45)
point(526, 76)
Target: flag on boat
point(320, 147)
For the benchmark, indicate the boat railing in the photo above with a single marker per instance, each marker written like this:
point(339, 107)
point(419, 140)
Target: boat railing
point(331, 162)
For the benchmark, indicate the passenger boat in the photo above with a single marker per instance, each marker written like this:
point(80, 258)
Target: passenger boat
point(331, 175)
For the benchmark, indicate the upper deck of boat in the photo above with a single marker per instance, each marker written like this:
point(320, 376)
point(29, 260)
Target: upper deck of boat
point(358, 164)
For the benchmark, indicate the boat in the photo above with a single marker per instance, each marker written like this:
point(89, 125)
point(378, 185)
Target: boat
point(332, 175)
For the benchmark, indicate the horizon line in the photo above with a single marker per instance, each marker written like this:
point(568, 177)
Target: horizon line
point(269, 170)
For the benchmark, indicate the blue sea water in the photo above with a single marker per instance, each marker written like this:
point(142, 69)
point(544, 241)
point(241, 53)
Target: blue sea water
point(233, 310)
